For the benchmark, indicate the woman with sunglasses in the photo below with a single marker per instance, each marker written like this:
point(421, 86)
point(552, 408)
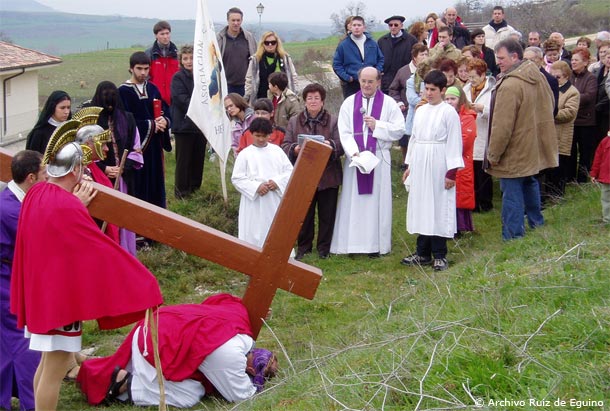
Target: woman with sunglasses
point(270, 57)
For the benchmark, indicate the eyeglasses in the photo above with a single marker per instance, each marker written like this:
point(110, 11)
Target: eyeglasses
point(270, 43)
point(394, 24)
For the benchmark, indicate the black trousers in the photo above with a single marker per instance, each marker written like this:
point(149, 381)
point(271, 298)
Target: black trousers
point(583, 149)
point(190, 155)
point(350, 88)
point(483, 188)
point(431, 245)
point(557, 178)
point(326, 203)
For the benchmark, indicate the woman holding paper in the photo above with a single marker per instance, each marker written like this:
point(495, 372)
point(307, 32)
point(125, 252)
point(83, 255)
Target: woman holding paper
point(315, 120)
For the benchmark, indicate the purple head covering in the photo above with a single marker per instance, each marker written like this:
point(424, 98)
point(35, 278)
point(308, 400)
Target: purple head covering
point(260, 360)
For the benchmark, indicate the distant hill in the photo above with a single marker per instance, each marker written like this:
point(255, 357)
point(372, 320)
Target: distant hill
point(63, 33)
point(23, 5)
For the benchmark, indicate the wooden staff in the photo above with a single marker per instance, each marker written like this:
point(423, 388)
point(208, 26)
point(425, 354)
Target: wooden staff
point(154, 331)
point(117, 180)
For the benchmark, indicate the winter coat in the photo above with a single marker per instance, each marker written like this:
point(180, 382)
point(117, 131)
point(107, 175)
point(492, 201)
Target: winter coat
point(327, 127)
point(569, 101)
point(398, 88)
point(182, 89)
point(348, 60)
point(221, 37)
point(395, 56)
point(448, 52)
point(464, 181)
point(522, 139)
point(253, 79)
point(484, 98)
point(586, 84)
point(288, 106)
point(162, 69)
point(491, 31)
point(600, 170)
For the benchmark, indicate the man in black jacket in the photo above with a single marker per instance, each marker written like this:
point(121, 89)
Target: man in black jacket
point(396, 48)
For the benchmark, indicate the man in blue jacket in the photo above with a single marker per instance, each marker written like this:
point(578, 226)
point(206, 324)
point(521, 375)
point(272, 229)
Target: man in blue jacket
point(356, 51)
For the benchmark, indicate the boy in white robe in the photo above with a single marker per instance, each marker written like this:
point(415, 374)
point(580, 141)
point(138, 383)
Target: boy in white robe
point(433, 158)
point(261, 173)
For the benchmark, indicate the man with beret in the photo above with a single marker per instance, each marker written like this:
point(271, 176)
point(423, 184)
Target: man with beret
point(396, 48)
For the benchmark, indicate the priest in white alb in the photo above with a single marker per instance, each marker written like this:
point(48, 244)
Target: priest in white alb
point(368, 121)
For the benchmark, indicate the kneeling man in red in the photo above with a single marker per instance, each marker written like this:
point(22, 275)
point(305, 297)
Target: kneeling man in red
point(204, 349)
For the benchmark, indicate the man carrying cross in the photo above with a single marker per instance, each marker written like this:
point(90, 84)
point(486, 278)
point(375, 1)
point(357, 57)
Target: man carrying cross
point(65, 270)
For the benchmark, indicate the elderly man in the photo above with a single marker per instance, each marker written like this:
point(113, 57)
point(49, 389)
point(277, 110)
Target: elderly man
point(396, 48)
point(461, 35)
point(236, 47)
point(522, 139)
point(72, 267)
point(369, 122)
point(496, 26)
point(356, 51)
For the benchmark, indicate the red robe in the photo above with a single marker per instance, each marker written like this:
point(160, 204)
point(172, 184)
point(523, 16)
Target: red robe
point(188, 333)
point(65, 270)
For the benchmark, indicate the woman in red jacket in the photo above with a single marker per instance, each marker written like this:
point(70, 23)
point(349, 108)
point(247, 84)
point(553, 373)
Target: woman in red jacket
point(464, 182)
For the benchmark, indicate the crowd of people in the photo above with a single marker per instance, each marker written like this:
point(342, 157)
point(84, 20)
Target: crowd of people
point(465, 106)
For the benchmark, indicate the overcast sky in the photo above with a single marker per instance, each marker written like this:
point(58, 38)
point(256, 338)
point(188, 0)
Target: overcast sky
point(275, 10)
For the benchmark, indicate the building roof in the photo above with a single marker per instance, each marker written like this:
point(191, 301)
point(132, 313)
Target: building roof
point(15, 57)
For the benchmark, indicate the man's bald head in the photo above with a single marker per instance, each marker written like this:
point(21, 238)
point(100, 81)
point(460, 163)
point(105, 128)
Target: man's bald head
point(451, 15)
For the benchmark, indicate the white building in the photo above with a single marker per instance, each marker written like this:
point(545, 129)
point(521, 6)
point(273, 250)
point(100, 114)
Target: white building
point(19, 89)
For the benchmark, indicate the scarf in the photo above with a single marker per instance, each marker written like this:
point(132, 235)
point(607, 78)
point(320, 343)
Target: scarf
point(365, 181)
point(312, 122)
point(475, 91)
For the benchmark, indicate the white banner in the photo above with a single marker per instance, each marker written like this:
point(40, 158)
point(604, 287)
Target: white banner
point(207, 102)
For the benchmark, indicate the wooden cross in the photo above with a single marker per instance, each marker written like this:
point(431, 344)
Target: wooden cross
point(269, 268)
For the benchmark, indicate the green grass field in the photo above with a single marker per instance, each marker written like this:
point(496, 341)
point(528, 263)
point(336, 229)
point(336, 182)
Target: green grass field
point(517, 321)
point(520, 320)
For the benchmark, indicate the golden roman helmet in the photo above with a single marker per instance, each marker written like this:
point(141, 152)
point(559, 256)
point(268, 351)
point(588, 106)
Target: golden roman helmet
point(63, 153)
point(89, 130)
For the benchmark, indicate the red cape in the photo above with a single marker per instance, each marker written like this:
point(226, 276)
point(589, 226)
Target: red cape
point(100, 177)
point(66, 270)
point(188, 333)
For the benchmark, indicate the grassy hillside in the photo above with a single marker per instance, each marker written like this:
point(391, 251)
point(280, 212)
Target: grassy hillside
point(522, 320)
point(519, 320)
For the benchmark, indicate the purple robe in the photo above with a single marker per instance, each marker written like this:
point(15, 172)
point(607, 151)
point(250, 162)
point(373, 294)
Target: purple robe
point(17, 362)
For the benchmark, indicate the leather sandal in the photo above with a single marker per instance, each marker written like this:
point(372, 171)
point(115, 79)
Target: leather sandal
point(115, 386)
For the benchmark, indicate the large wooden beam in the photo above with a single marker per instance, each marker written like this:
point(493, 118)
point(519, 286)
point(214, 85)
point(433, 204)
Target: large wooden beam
point(269, 268)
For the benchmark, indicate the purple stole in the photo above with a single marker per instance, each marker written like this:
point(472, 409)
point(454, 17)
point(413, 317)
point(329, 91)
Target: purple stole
point(365, 181)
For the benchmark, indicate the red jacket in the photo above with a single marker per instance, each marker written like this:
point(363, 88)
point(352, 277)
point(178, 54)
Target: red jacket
point(464, 181)
point(601, 162)
point(277, 138)
point(162, 69)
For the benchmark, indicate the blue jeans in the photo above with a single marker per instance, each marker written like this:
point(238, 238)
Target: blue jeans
point(520, 196)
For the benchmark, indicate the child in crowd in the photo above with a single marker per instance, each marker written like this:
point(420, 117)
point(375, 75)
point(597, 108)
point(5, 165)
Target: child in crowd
point(464, 183)
point(600, 173)
point(433, 158)
point(261, 175)
point(263, 107)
